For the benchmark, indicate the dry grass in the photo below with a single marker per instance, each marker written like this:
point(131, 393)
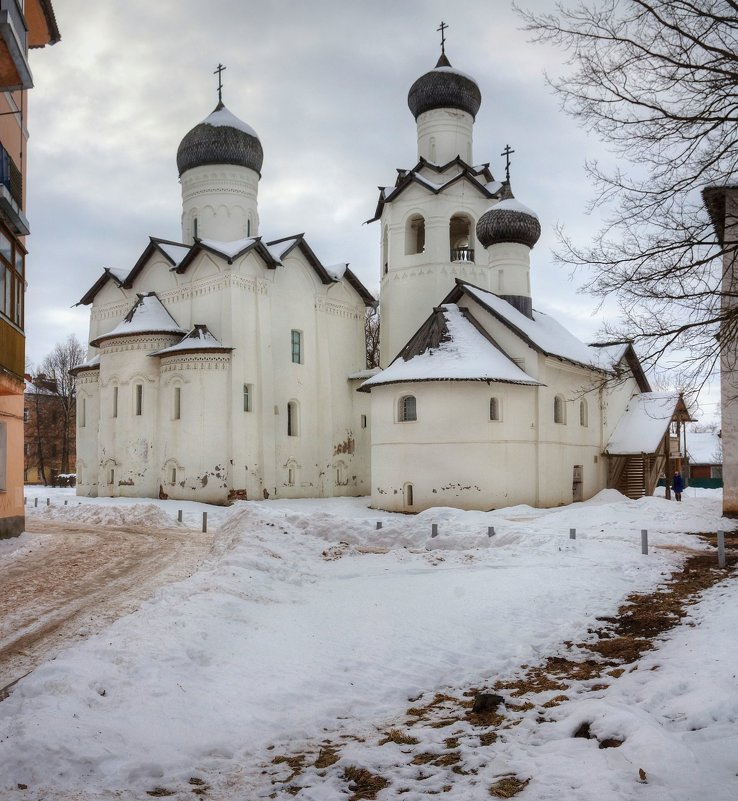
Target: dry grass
point(398, 737)
point(507, 787)
point(327, 756)
point(362, 783)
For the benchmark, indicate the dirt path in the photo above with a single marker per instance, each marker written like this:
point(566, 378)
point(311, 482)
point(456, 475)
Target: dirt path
point(79, 578)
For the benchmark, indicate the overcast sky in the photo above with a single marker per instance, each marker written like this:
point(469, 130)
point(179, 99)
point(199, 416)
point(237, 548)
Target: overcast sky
point(325, 85)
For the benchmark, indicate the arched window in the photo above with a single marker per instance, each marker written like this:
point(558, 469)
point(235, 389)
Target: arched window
point(291, 472)
point(341, 474)
point(415, 235)
point(494, 409)
point(559, 410)
point(460, 238)
point(583, 413)
point(176, 403)
point(293, 423)
point(407, 411)
point(408, 493)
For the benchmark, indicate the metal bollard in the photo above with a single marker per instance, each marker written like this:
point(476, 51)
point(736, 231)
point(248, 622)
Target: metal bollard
point(721, 549)
point(490, 531)
point(204, 522)
point(644, 541)
point(434, 529)
point(179, 516)
point(379, 524)
point(572, 533)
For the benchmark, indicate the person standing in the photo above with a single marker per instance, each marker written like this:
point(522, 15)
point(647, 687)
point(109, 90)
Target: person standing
point(677, 485)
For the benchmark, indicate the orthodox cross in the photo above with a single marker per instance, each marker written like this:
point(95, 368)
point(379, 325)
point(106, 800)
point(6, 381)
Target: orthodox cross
point(507, 152)
point(442, 29)
point(219, 72)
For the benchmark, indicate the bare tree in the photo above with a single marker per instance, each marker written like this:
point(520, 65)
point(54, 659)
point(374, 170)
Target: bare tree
point(55, 368)
point(371, 334)
point(656, 80)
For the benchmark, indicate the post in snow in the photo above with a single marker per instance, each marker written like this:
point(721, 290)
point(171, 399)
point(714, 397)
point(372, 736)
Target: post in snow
point(721, 549)
point(572, 533)
point(490, 531)
point(434, 529)
point(644, 541)
point(204, 522)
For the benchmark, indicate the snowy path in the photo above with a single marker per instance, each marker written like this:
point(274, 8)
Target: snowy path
point(72, 579)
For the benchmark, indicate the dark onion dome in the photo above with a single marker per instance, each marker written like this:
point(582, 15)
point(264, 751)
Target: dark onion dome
point(444, 87)
point(509, 221)
point(220, 138)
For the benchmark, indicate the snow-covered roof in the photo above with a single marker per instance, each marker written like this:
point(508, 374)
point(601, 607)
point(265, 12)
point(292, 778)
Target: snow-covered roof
point(461, 353)
point(337, 271)
point(362, 375)
point(198, 339)
point(511, 204)
point(280, 247)
point(229, 249)
point(174, 251)
point(222, 116)
point(644, 423)
point(147, 316)
point(545, 333)
point(92, 363)
point(704, 447)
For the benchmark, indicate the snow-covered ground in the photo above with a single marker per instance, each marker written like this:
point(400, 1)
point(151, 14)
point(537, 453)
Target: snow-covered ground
point(307, 621)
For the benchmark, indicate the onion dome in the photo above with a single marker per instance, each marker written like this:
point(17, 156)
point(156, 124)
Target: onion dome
point(444, 87)
point(508, 221)
point(220, 138)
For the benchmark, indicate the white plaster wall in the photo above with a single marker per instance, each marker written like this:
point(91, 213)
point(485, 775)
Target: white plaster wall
point(414, 283)
point(444, 134)
point(88, 391)
point(197, 445)
point(453, 455)
point(223, 198)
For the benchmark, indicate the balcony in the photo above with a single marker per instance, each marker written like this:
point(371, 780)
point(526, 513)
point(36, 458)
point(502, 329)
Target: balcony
point(11, 195)
point(14, 70)
point(462, 254)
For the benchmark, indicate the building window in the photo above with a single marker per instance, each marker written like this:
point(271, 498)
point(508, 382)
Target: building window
point(407, 411)
point(408, 492)
point(83, 412)
point(292, 421)
point(138, 399)
point(583, 413)
point(494, 409)
point(111, 475)
point(194, 228)
point(296, 346)
point(12, 279)
point(115, 401)
point(341, 474)
point(363, 421)
point(291, 473)
point(173, 475)
point(459, 235)
point(415, 235)
point(177, 409)
point(248, 397)
point(26, 415)
point(559, 410)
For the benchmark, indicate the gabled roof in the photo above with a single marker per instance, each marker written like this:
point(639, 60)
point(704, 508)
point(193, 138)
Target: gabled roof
point(181, 256)
point(197, 340)
point(230, 251)
point(645, 422)
point(108, 275)
point(450, 346)
point(281, 248)
point(173, 252)
point(147, 316)
point(542, 333)
point(487, 186)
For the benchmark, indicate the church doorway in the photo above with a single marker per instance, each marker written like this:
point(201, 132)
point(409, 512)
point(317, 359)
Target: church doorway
point(577, 485)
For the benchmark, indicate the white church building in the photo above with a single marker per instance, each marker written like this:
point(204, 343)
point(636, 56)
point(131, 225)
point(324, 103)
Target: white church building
point(226, 367)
